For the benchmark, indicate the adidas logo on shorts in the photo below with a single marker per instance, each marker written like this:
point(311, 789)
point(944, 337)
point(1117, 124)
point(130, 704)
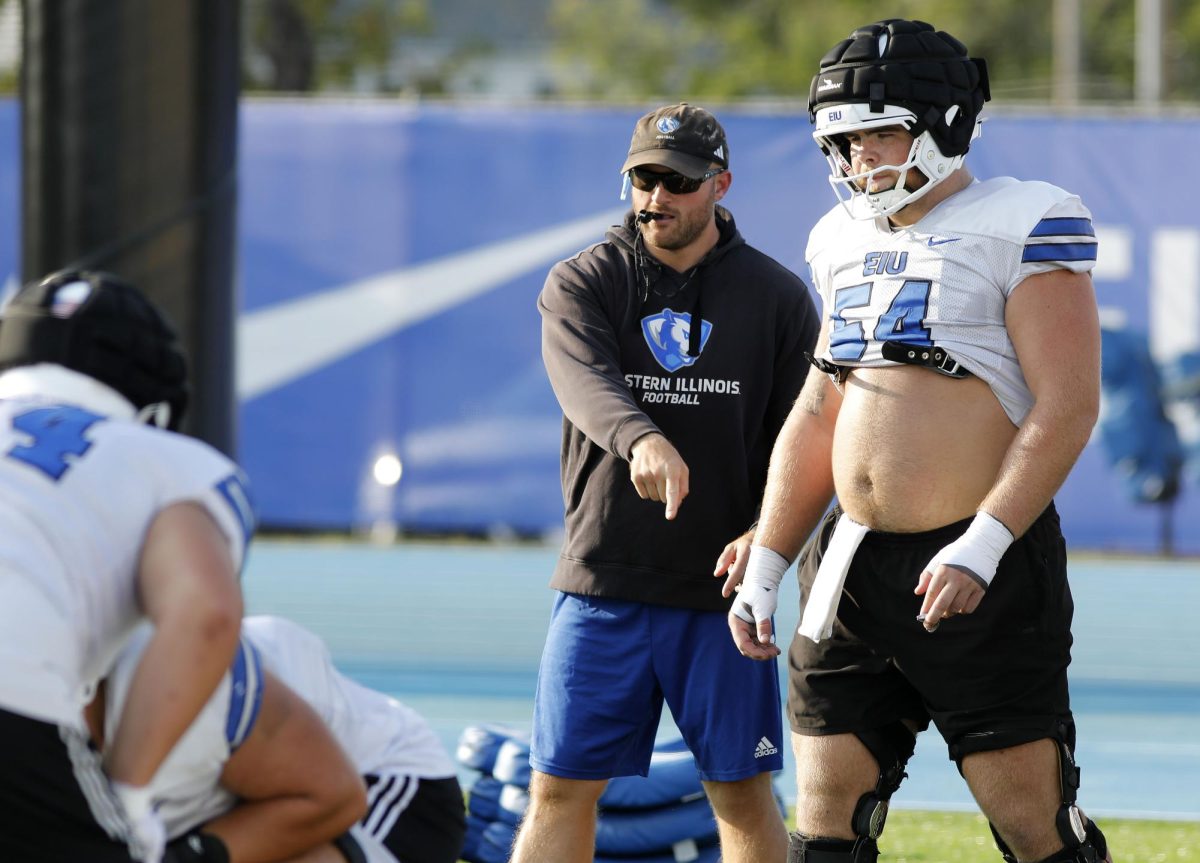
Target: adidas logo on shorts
point(765, 747)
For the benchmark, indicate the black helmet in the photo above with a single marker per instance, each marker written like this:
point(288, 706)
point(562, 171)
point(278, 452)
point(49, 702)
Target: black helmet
point(97, 324)
point(899, 72)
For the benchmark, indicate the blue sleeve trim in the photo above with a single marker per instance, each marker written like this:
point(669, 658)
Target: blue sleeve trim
point(245, 694)
point(1063, 227)
point(237, 494)
point(1044, 252)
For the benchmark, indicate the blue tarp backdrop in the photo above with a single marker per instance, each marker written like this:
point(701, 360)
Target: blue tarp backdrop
point(391, 255)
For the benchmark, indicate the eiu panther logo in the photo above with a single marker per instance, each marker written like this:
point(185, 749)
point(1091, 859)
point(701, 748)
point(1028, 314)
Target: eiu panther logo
point(667, 334)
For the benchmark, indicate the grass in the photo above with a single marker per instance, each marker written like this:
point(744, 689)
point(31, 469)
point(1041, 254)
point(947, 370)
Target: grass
point(964, 837)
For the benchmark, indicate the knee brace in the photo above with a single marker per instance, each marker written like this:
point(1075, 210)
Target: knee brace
point(810, 849)
point(891, 746)
point(1082, 843)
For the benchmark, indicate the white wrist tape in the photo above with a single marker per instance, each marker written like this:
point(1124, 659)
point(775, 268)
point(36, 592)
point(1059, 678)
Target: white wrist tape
point(137, 801)
point(978, 550)
point(758, 595)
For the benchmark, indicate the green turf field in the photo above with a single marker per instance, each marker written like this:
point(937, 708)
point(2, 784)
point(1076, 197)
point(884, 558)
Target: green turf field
point(963, 837)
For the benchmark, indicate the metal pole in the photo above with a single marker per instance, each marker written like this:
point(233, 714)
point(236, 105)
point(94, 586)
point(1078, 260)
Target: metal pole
point(1066, 53)
point(1148, 66)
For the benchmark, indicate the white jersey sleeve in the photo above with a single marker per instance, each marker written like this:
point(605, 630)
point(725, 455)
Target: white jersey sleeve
point(945, 280)
point(186, 788)
point(79, 493)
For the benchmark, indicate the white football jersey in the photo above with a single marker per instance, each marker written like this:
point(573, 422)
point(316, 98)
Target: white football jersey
point(78, 492)
point(377, 732)
point(945, 280)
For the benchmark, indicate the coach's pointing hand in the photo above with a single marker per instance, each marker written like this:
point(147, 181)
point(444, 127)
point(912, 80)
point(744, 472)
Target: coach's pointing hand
point(658, 472)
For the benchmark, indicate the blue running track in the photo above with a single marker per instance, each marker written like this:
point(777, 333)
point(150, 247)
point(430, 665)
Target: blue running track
point(455, 631)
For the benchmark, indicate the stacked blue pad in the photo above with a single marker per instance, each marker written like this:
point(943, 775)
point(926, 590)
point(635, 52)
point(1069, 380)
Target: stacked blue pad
point(663, 817)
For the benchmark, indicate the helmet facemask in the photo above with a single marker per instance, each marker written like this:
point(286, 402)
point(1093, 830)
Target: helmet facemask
point(834, 122)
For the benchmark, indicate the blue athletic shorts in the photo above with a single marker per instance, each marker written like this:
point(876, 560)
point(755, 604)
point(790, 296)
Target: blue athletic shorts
point(606, 669)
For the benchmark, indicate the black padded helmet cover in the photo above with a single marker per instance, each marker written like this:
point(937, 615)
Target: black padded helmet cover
point(99, 325)
point(906, 63)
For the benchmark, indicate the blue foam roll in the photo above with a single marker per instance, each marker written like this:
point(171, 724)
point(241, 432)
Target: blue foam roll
point(478, 745)
point(644, 831)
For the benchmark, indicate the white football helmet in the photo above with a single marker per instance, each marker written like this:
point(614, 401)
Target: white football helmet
point(833, 122)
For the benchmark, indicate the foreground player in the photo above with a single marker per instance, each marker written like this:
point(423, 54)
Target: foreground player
point(235, 791)
point(962, 345)
point(104, 521)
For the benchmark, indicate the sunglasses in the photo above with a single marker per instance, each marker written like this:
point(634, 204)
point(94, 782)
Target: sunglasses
point(673, 182)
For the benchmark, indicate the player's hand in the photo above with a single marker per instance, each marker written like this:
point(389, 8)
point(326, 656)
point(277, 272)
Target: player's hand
point(753, 640)
point(758, 597)
point(732, 563)
point(149, 835)
point(658, 472)
point(955, 581)
point(948, 591)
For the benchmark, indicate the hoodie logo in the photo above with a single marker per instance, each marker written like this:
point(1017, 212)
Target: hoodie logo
point(667, 334)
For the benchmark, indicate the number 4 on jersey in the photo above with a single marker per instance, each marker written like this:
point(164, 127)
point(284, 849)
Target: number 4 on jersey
point(903, 321)
point(57, 432)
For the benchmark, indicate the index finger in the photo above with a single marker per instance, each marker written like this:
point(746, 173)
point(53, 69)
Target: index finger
point(673, 497)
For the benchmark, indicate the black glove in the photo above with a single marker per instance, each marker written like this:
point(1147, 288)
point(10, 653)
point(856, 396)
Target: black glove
point(196, 847)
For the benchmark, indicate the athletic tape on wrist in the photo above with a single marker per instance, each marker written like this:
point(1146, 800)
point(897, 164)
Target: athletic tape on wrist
point(987, 538)
point(765, 567)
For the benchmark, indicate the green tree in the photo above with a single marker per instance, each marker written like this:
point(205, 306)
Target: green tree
point(770, 49)
point(306, 45)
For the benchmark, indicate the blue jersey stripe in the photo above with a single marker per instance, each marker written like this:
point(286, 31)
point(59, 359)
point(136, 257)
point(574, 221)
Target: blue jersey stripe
point(1059, 252)
point(245, 694)
point(1059, 227)
point(233, 489)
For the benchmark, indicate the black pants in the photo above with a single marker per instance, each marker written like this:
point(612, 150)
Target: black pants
point(988, 680)
point(44, 815)
point(433, 825)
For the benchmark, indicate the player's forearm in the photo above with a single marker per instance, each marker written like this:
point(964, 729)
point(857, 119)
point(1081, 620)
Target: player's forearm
point(1039, 459)
point(282, 828)
point(178, 673)
point(800, 478)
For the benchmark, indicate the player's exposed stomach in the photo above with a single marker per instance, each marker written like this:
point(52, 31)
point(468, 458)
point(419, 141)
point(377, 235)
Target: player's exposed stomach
point(914, 449)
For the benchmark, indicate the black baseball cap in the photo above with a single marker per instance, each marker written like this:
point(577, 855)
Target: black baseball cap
point(681, 137)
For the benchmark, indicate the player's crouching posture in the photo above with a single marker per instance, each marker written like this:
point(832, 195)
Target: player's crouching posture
point(274, 767)
point(104, 521)
point(961, 342)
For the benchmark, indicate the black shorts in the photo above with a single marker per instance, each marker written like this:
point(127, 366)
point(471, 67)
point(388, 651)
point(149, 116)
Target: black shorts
point(44, 813)
point(988, 680)
point(431, 826)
